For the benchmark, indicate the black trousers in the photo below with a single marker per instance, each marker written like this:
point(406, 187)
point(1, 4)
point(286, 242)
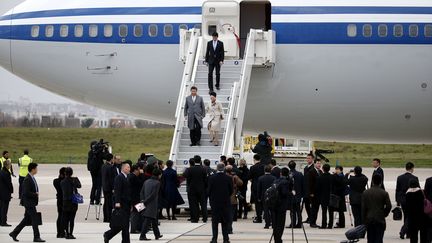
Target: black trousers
point(314, 209)
point(136, 221)
point(107, 206)
point(195, 134)
point(325, 210)
point(124, 231)
point(296, 215)
point(4, 208)
point(59, 223)
point(242, 204)
point(220, 215)
point(20, 181)
point(341, 222)
point(259, 209)
point(210, 75)
point(375, 233)
point(267, 216)
point(30, 215)
point(197, 200)
point(278, 224)
point(307, 207)
point(68, 220)
point(413, 232)
point(96, 190)
point(356, 211)
point(146, 225)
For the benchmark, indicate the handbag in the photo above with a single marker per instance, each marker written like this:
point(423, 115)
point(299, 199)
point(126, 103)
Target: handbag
point(427, 206)
point(334, 201)
point(119, 219)
point(397, 213)
point(77, 198)
point(38, 220)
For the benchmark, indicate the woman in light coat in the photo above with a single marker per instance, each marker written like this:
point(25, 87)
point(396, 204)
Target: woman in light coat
point(215, 111)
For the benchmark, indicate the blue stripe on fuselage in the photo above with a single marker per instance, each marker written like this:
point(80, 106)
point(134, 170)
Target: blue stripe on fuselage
point(197, 11)
point(286, 33)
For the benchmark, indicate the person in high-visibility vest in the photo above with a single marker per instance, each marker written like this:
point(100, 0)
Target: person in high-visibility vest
point(3, 159)
point(23, 169)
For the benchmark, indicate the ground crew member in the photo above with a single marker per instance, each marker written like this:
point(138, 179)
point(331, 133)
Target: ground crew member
point(3, 159)
point(23, 164)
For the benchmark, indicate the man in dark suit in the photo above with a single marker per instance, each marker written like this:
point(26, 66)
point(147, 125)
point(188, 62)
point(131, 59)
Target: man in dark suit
point(264, 182)
point(323, 190)
point(255, 172)
point(214, 58)
point(428, 194)
point(150, 197)
point(307, 181)
point(357, 185)
point(220, 188)
point(6, 190)
point(196, 177)
point(376, 164)
point(107, 187)
point(122, 201)
point(285, 189)
point(275, 170)
point(136, 182)
point(29, 199)
point(194, 112)
point(402, 185)
point(376, 207)
point(296, 197)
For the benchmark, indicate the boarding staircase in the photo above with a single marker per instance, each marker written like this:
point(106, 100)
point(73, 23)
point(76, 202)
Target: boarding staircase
point(234, 86)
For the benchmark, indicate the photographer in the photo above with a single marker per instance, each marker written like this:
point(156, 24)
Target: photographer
point(357, 184)
point(264, 149)
point(98, 150)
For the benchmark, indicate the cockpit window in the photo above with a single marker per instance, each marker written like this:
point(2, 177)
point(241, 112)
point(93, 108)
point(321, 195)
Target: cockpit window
point(49, 31)
point(79, 31)
point(35, 31)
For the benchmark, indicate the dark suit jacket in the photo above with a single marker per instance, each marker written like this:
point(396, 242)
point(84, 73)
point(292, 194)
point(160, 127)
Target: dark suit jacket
point(402, 185)
point(136, 183)
point(150, 197)
point(376, 206)
point(298, 185)
point(255, 172)
point(357, 186)
point(323, 188)
point(196, 177)
point(6, 187)
point(428, 188)
point(220, 188)
point(310, 176)
point(107, 178)
point(122, 192)
point(276, 172)
point(213, 56)
point(380, 172)
point(59, 193)
point(264, 182)
point(29, 197)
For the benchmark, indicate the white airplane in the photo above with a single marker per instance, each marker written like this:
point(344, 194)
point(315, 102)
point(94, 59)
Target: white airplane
point(346, 70)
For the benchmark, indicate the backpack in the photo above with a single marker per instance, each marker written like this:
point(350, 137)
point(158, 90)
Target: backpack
point(271, 196)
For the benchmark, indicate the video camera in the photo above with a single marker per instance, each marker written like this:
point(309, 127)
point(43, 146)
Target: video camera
point(100, 149)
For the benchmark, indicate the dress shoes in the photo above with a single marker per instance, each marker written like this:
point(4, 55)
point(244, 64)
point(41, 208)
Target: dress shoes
point(144, 238)
point(70, 237)
point(14, 237)
point(257, 221)
point(217, 87)
point(5, 225)
point(339, 227)
point(38, 240)
point(226, 241)
point(314, 226)
point(322, 227)
point(158, 237)
point(60, 236)
point(267, 227)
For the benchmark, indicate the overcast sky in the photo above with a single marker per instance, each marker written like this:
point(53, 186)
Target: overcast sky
point(12, 87)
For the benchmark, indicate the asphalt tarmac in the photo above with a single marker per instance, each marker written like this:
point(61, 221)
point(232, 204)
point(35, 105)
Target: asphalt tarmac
point(91, 230)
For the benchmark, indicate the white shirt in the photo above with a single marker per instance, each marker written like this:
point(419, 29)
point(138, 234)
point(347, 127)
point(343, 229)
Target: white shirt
point(214, 45)
point(193, 99)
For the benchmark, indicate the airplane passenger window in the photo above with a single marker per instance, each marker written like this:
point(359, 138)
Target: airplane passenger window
point(93, 30)
point(35, 31)
point(49, 31)
point(428, 30)
point(183, 27)
point(153, 30)
point(413, 30)
point(108, 30)
point(168, 30)
point(138, 30)
point(123, 30)
point(352, 30)
point(382, 30)
point(398, 30)
point(64, 31)
point(197, 26)
point(367, 30)
point(79, 31)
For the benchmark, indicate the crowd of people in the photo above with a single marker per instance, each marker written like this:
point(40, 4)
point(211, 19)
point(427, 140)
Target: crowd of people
point(136, 195)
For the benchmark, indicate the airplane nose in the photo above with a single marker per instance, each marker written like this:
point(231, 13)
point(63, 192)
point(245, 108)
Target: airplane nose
point(5, 42)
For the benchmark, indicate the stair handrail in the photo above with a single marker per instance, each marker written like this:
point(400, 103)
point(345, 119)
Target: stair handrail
point(228, 137)
point(188, 72)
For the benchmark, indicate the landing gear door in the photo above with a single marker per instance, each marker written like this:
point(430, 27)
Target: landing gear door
point(222, 17)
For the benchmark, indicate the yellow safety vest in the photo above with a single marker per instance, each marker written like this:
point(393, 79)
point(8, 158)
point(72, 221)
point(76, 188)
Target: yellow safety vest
point(2, 160)
point(24, 163)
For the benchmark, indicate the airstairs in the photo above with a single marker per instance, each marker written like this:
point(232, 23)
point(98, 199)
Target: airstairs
point(235, 79)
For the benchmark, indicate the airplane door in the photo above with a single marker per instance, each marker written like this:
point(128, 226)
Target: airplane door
point(254, 14)
point(223, 17)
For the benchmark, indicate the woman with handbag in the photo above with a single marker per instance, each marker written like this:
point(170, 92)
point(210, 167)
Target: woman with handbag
point(417, 219)
point(215, 111)
point(71, 199)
